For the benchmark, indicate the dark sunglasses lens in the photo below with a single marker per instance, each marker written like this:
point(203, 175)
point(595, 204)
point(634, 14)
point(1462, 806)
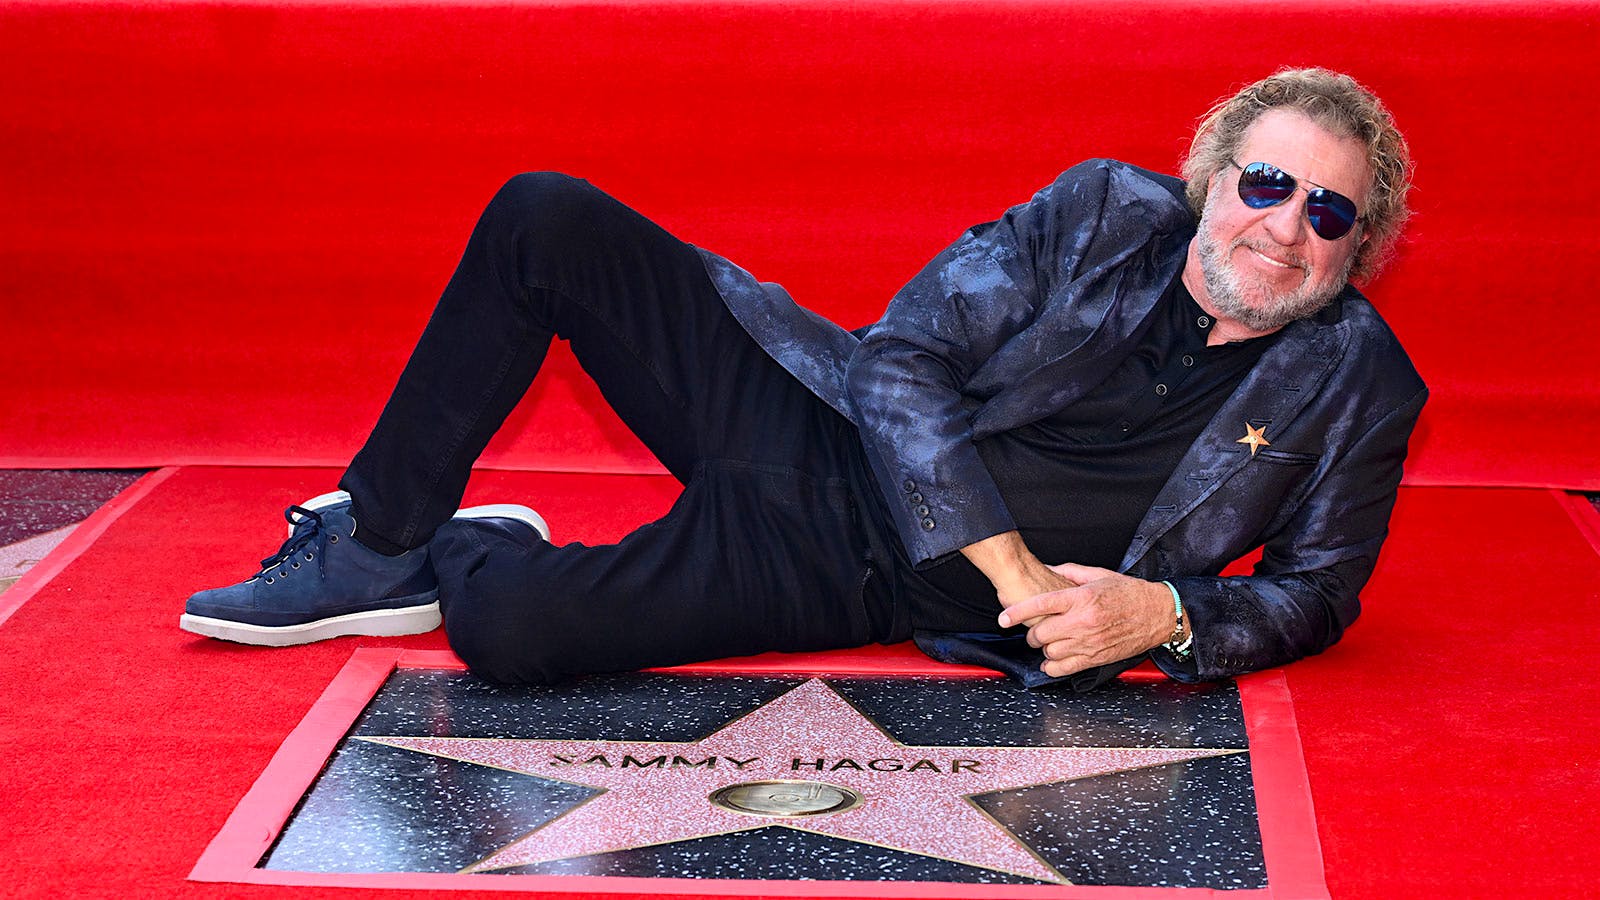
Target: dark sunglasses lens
point(1332, 215)
point(1261, 186)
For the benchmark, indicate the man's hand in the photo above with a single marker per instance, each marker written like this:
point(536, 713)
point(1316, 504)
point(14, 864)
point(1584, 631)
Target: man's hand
point(1106, 617)
point(1013, 569)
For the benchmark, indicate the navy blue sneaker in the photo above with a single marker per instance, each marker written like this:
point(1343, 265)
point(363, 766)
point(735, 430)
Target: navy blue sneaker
point(322, 583)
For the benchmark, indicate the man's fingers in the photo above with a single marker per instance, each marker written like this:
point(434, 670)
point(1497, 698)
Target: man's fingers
point(1055, 630)
point(1036, 607)
point(1066, 665)
point(1059, 650)
point(1044, 630)
point(1081, 574)
point(1058, 640)
point(1066, 659)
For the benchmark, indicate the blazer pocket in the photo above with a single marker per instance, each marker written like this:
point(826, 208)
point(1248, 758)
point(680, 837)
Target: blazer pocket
point(1288, 457)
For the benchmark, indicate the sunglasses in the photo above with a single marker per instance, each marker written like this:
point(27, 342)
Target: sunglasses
point(1262, 185)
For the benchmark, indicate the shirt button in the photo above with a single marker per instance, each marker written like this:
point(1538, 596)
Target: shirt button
point(916, 498)
point(1126, 425)
point(1188, 360)
point(921, 510)
point(909, 485)
point(927, 524)
point(1161, 390)
point(1203, 321)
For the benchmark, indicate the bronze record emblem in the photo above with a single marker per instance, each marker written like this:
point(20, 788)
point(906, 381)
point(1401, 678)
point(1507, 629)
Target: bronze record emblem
point(785, 799)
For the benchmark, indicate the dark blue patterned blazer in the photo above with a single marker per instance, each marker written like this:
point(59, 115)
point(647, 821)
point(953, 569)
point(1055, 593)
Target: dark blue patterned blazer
point(1021, 316)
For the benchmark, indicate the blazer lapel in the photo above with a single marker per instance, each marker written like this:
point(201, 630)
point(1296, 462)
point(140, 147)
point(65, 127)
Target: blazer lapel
point(1099, 316)
point(1280, 385)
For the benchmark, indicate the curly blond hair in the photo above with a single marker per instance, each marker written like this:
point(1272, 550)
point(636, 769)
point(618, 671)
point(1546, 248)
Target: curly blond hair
point(1344, 107)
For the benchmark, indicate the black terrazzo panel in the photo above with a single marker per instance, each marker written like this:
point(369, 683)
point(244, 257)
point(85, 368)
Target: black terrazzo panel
point(1119, 714)
point(442, 703)
point(36, 501)
point(1187, 825)
point(379, 808)
point(383, 809)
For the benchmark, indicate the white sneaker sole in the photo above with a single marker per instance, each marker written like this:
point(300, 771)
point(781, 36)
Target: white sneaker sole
point(507, 511)
point(492, 511)
point(374, 623)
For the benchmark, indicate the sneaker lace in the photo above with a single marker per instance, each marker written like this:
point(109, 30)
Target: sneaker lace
point(308, 543)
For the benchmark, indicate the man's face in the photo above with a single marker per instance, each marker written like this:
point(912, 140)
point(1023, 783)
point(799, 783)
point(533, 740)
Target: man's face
point(1264, 268)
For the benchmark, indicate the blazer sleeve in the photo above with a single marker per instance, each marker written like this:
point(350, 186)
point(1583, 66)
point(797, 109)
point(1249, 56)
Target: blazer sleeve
point(1305, 591)
point(905, 379)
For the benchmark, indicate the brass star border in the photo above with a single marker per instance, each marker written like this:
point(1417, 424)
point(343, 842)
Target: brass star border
point(1287, 824)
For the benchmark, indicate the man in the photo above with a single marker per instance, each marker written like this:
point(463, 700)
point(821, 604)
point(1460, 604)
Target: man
point(1095, 381)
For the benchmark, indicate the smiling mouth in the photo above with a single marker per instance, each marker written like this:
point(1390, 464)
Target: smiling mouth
point(1275, 263)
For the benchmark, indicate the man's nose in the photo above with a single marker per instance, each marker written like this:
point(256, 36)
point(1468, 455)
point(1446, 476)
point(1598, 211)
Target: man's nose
point(1286, 223)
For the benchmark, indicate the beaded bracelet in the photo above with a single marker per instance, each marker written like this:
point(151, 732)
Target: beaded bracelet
point(1180, 650)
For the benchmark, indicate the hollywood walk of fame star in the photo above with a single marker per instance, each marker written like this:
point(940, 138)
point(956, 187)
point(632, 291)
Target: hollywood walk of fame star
point(1255, 437)
point(911, 798)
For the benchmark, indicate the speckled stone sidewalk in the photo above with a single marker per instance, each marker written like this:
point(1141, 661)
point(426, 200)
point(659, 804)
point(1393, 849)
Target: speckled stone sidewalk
point(40, 507)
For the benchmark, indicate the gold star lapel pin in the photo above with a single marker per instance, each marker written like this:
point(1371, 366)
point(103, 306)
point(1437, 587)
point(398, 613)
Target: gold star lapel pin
point(1255, 437)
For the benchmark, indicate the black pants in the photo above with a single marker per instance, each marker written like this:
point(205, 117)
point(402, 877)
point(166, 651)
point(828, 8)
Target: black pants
point(767, 548)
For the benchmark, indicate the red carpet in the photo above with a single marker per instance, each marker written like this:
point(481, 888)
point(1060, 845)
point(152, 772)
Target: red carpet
point(1447, 737)
point(217, 207)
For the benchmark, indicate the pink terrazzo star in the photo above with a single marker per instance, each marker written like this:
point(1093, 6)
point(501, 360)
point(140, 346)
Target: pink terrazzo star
point(912, 798)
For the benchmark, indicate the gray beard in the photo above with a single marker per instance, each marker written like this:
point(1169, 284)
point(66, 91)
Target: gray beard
point(1229, 290)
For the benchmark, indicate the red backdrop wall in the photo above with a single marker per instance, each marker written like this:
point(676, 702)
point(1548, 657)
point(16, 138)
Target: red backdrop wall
point(221, 227)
